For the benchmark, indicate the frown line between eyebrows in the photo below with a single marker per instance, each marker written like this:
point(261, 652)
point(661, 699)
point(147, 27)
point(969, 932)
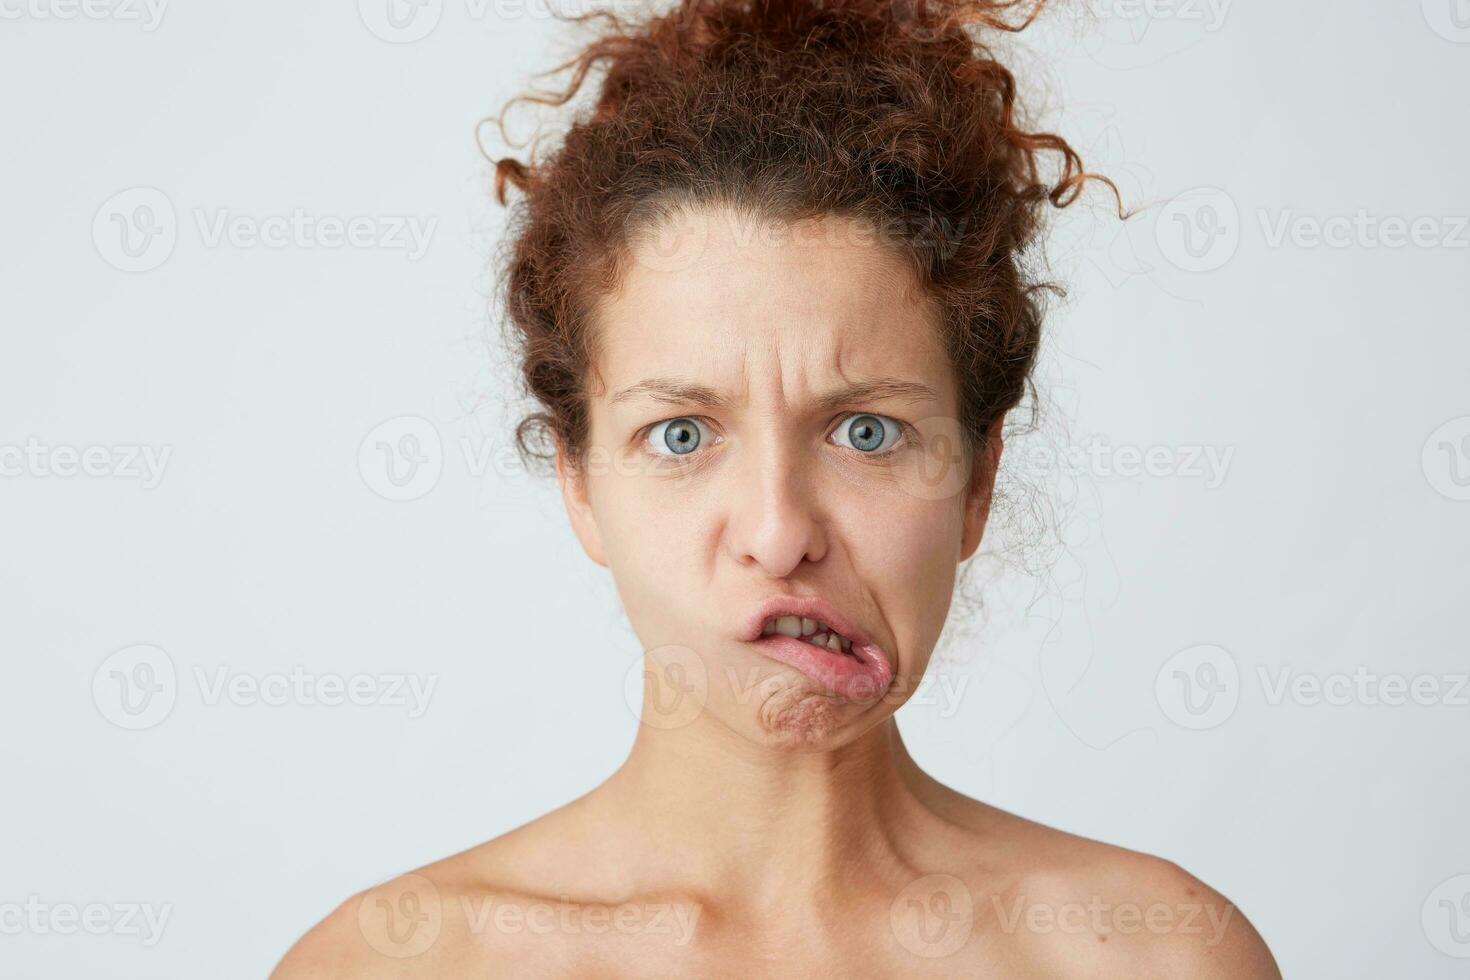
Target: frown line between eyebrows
point(678, 392)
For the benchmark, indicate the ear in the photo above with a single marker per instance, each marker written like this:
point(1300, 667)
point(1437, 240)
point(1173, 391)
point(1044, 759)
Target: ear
point(574, 494)
point(980, 490)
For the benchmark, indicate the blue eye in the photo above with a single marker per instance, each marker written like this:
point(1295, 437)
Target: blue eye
point(676, 437)
point(868, 433)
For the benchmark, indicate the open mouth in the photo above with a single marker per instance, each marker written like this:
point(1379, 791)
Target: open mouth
point(813, 636)
point(812, 631)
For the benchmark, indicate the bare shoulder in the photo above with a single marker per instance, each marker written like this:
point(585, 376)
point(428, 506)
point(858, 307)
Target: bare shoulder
point(1079, 907)
point(444, 919)
point(547, 899)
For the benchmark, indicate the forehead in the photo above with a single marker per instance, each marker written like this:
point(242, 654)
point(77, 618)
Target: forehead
point(718, 296)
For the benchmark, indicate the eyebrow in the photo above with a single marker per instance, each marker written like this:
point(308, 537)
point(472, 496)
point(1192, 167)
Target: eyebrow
point(677, 392)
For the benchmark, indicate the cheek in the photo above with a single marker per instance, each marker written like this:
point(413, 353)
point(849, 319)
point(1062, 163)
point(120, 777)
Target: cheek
point(646, 525)
point(908, 558)
point(909, 534)
point(657, 552)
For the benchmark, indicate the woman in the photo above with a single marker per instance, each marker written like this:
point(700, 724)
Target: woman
point(771, 297)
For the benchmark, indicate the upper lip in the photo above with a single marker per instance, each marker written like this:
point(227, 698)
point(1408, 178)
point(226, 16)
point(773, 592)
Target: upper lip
point(810, 607)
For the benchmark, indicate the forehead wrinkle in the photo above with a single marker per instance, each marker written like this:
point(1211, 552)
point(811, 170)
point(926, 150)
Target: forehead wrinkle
point(807, 325)
point(854, 384)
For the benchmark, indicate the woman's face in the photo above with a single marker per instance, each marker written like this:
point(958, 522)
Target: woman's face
point(773, 414)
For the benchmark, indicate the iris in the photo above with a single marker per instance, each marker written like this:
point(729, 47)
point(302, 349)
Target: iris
point(865, 432)
point(681, 436)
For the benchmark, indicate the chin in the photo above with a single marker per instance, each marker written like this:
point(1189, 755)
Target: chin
point(793, 714)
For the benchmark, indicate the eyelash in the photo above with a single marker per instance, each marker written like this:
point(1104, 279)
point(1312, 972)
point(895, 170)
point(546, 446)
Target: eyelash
point(905, 434)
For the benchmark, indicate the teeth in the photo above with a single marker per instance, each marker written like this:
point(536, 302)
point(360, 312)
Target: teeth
point(829, 641)
point(802, 628)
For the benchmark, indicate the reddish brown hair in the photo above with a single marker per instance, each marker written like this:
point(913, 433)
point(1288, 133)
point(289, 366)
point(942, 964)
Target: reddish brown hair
point(893, 112)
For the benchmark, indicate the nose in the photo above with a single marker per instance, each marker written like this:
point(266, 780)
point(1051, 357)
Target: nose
point(776, 517)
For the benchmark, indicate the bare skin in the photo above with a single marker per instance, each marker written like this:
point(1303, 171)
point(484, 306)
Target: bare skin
point(763, 826)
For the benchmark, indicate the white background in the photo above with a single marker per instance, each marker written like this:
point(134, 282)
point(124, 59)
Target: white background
point(1329, 538)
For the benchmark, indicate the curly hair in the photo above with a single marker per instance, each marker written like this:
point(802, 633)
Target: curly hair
point(891, 112)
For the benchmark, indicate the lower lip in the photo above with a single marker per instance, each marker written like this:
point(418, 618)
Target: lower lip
point(862, 675)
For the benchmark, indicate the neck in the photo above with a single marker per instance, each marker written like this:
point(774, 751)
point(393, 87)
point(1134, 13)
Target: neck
point(776, 826)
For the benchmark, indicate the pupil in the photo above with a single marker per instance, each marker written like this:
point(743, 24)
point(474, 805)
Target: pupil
point(866, 432)
point(682, 436)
